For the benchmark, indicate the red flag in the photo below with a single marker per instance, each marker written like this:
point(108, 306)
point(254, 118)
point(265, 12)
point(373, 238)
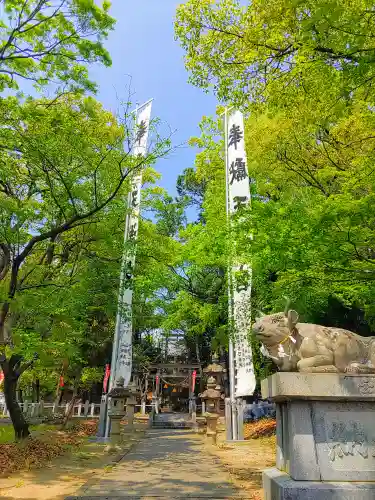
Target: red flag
point(194, 378)
point(106, 377)
point(61, 383)
point(1, 376)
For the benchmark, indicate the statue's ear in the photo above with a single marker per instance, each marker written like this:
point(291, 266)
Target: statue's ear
point(292, 318)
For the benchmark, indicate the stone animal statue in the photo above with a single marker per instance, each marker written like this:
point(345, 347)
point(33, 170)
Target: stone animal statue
point(307, 347)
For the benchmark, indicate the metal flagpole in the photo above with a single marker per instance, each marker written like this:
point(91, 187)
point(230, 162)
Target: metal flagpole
point(232, 367)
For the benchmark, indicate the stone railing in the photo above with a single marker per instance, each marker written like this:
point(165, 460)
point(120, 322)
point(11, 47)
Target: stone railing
point(80, 410)
point(35, 410)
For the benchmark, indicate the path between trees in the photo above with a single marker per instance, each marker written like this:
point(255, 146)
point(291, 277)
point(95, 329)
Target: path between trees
point(165, 464)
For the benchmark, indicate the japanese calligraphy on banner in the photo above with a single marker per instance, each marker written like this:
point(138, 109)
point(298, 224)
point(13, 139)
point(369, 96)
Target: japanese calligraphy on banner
point(124, 327)
point(239, 195)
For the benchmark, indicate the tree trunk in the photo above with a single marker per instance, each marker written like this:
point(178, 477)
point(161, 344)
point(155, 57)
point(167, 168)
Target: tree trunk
point(21, 428)
point(69, 413)
point(37, 390)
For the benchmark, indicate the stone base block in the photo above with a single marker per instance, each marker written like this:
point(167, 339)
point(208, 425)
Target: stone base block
point(280, 486)
point(326, 431)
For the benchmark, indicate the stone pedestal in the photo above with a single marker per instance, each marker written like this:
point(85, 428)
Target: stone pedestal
point(116, 411)
point(130, 406)
point(211, 433)
point(211, 396)
point(143, 407)
point(115, 425)
point(325, 433)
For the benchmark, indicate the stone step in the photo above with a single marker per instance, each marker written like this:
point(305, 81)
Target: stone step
point(172, 425)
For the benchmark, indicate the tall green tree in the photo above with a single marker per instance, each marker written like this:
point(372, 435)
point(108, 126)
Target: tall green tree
point(51, 42)
point(64, 177)
point(304, 71)
point(271, 48)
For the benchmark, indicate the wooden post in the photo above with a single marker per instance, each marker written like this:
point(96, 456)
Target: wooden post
point(158, 383)
point(190, 393)
point(193, 410)
point(144, 398)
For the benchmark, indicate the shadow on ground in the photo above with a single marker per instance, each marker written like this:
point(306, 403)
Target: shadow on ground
point(166, 464)
point(65, 475)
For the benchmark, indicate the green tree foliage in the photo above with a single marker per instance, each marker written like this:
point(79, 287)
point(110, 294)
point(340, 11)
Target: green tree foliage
point(64, 177)
point(191, 294)
point(304, 71)
point(192, 190)
point(51, 42)
point(273, 48)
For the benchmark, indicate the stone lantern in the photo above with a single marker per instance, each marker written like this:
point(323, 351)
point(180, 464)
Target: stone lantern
point(211, 396)
point(131, 401)
point(217, 372)
point(116, 411)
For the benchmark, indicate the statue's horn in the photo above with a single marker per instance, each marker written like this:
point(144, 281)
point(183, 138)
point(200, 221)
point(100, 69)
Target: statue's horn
point(287, 305)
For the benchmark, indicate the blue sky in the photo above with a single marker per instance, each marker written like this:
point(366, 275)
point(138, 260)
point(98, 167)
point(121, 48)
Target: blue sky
point(143, 46)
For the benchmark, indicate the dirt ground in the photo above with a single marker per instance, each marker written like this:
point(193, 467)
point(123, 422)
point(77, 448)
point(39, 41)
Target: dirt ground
point(65, 475)
point(245, 461)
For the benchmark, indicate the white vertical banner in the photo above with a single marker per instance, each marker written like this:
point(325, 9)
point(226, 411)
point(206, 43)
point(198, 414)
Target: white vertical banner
point(122, 349)
point(239, 195)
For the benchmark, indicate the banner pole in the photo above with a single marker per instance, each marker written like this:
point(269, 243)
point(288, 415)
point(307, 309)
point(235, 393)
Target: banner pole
point(123, 334)
point(232, 369)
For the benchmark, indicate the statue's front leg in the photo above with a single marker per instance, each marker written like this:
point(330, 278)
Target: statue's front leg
point(318, 361)
point(290, 364)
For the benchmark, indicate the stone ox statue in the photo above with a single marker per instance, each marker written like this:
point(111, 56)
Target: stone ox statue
point(306, 347)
